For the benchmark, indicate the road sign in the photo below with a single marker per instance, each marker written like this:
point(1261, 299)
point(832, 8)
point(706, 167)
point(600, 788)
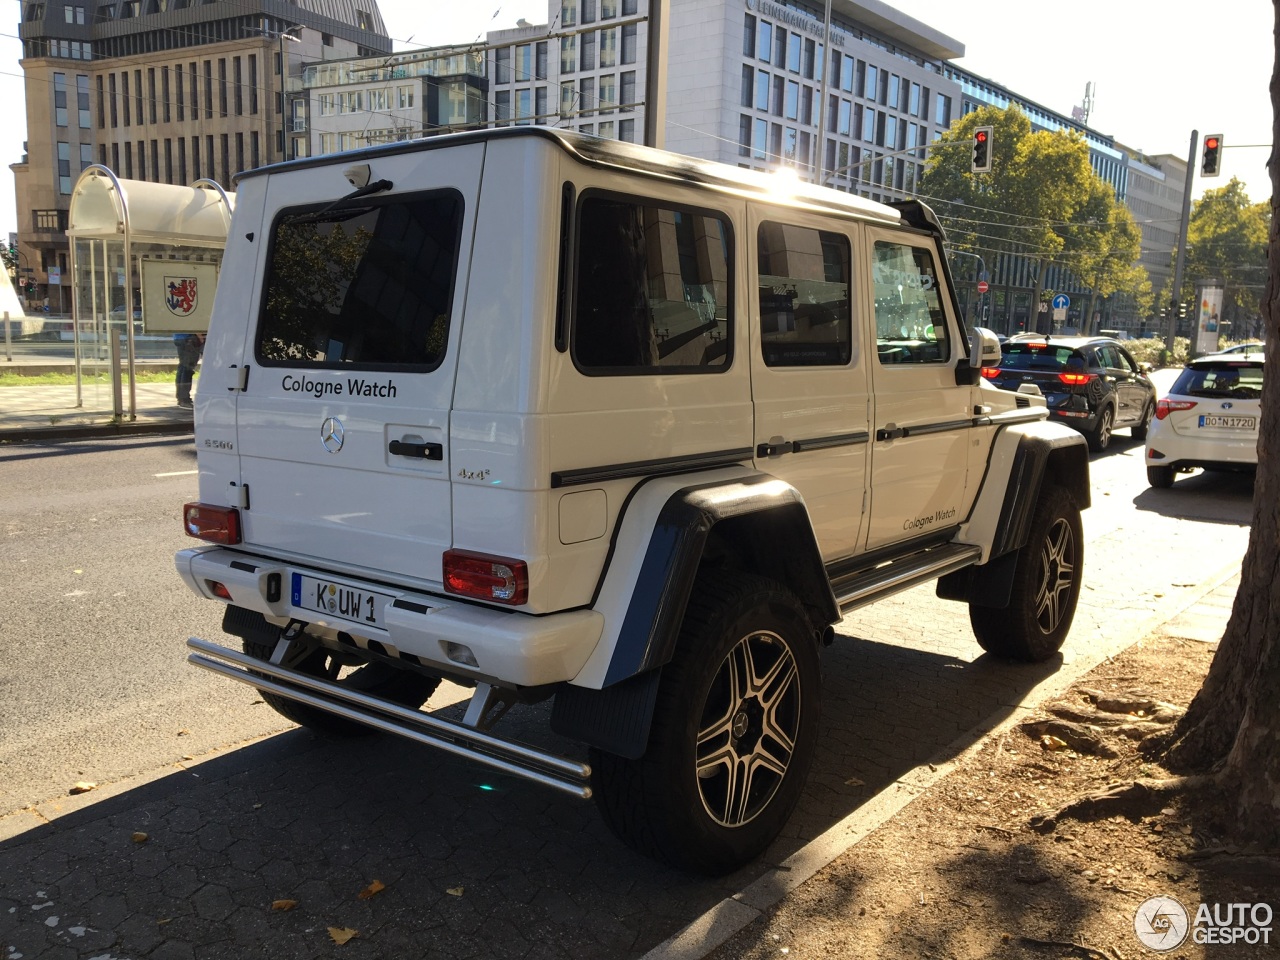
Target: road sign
point(983, 286)
point(1061, 302)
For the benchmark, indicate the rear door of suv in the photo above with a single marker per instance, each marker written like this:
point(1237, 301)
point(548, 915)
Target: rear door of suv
point(343, 416)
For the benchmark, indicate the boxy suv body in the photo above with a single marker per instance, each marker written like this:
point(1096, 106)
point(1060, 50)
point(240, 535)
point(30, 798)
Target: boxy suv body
point(572, 420)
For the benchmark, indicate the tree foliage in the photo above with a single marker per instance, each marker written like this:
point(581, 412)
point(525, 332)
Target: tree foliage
point(1041, 201)
point(1227, 240)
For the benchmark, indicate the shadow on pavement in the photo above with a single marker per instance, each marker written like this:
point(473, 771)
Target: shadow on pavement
point(475, 864)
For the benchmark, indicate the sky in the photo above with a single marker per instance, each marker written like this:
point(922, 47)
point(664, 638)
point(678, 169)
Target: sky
point(1157, 73)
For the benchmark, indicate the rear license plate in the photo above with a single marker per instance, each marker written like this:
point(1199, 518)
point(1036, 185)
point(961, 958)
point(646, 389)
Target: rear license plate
point(333, 599)
point(1230, 423)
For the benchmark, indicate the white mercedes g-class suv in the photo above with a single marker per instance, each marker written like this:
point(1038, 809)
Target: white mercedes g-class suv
point(574, 420)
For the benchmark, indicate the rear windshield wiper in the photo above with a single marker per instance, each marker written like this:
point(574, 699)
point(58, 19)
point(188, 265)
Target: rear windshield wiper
point(378, 186)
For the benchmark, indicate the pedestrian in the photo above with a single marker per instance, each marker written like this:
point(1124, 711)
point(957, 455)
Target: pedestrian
point(190, 346)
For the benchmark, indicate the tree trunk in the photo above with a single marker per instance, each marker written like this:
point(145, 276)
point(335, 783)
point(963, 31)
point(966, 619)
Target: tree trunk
point(1233, 724)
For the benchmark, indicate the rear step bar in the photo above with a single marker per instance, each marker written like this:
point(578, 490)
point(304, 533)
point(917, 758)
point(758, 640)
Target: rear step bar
point(860, 587)
point(508, 756)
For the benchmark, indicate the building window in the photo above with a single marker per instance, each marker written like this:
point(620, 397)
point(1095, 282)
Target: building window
point(102, 103)
point(502, 106)
point(609, 48)
point(568, 99)
point(760, 140)
point(540, 105)
point(164, 92)
point(588, 51)
point(942, 110)
point(871, 83)
point(779, 47)
point(749, 36)
point(764, 45)
point(540, 61)
point(60, 99)
point(569, 13)
point(124, 96)
point(151, 93)
point(222, 86)
point(627, 92)
point(608, 93)
point(237, 83)
point(744, 135)
point(762, 90)
point(794, 46)
point(253, 86)
point(792, 106)
point(588, 11)
point(568, 54)
point(588, 87)
point(86, 155)
point(628, 43)
point(523, 106)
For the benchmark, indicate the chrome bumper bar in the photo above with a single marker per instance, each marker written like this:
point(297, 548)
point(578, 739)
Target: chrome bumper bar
point(505, 755)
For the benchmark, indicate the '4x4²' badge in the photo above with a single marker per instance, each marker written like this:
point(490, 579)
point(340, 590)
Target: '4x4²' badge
point(181, 294)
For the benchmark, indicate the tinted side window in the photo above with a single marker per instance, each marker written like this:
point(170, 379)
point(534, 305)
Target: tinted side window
point(910, 324)
point(805, 317)
point(652, 285)
point(367, 286)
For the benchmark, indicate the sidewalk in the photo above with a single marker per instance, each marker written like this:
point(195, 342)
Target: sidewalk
point(44, 412)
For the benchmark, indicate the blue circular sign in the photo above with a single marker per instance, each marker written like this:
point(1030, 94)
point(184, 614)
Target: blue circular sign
point(1061, 302)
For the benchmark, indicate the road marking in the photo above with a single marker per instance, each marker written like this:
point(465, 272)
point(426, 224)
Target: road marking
point(176, 473)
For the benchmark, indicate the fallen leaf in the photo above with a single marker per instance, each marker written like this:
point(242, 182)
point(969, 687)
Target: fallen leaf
point(139, 837)
point(341, 935)
point(164, 920)
point(371, 890)
point(455, 891)
point(283, 904)
point(82, 786)
point(187, 756)
point(1050, 742)
point(855, 782)
point(184, 732)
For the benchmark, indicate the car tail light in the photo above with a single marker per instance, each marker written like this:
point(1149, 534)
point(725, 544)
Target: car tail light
point(991, 373)
point(1166, 407)
point(1076, 379)
point(483, 577)
point(215, 524)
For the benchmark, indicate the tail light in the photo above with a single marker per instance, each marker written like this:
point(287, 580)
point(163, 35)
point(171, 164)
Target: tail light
point(1166, 407)
point(484, 577)
point(215, 524)
point(1076, 379)
point(991, 373)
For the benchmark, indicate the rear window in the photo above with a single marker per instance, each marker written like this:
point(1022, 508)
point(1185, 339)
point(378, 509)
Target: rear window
point(1038, 356)
point(367, 285)
point(1236, 380)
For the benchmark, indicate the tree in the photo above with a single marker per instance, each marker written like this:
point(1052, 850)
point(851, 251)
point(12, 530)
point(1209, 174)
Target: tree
point(1233, 726)
point(1030, 205)
point(1227, 240)
point(1106, 246)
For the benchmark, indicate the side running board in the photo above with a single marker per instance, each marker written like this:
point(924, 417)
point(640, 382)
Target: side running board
point(860, 587)
point(459, 739)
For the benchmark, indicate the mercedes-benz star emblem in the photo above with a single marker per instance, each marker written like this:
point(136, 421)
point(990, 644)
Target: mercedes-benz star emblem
point(331, 434)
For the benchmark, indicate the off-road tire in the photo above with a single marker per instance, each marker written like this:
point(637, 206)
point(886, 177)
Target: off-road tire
point(376, 679)
point(1100, 438)
point(1046, 586)
point(1139, 430)
point(742, 631)
point(1160, 477)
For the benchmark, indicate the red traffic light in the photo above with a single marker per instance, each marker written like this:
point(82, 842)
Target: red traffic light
point(981, 137)
point(1211, 143)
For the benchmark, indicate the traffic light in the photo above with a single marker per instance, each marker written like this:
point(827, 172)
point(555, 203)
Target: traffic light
point(1182, 311)
point(1211, 158)
point(981, 150)
point(31, 288)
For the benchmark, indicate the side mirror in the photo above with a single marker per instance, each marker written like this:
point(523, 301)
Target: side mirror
point(984, 349)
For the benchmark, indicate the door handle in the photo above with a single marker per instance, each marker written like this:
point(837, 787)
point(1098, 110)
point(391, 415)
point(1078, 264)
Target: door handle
point(773, 449)
point(891, 433)
point(422, 451)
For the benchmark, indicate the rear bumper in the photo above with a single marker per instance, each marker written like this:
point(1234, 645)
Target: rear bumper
point(509, 648)
point(1166, 449)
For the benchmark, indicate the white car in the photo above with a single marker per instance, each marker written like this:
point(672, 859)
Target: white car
point(1208, 419)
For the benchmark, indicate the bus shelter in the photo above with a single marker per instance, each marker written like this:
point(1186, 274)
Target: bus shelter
point(144, 262)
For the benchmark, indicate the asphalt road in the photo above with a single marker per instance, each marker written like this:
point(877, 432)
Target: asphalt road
point(94, 686)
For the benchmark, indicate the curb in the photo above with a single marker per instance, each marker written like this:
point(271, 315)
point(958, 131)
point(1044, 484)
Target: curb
point(706, 933)
point(86, 431)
